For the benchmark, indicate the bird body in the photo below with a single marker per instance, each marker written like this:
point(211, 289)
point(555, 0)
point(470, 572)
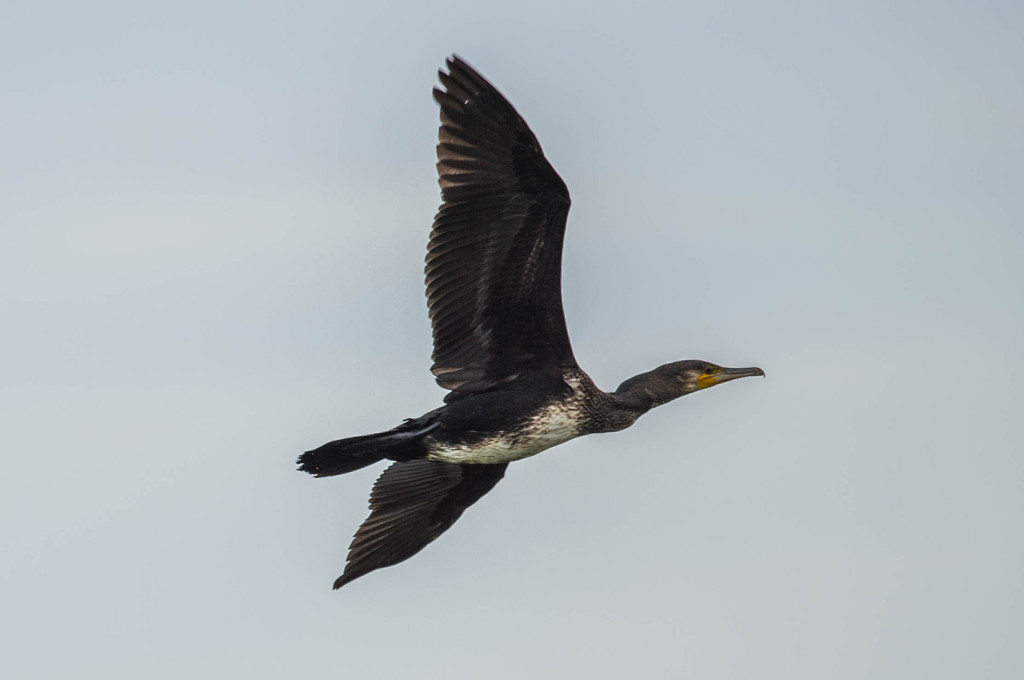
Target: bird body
point(529, 423)
point(549, 425)
point(501, 347)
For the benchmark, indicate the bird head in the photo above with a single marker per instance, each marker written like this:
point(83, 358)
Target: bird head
point(670, 381)
point(694, 374)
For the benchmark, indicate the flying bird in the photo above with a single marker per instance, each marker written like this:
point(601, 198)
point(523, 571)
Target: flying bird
point(501, 348)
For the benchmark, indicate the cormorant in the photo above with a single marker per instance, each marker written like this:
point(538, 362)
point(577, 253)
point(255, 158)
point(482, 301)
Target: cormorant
point(493, 278)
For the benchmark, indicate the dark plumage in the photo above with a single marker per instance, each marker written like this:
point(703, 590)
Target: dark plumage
point(500, 343)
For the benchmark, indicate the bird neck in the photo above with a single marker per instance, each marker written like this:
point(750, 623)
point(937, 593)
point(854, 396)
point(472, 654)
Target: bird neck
point(643, 392)
point(632, 397)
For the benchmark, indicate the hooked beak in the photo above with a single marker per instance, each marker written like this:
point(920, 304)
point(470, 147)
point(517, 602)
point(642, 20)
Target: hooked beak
point(727, 374)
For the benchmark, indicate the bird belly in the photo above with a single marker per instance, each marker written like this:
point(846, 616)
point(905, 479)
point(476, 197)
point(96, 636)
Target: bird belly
point(548, 427)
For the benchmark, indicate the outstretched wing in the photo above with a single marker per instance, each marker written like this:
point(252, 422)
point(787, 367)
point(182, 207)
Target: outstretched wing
point(495, 256)
point(412, 503)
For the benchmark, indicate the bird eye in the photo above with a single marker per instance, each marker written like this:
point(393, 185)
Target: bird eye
point(708, 368)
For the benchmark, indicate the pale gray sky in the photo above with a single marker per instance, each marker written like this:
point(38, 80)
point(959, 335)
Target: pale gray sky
point(212, 225)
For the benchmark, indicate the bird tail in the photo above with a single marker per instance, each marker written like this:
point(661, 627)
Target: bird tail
point(354, 453)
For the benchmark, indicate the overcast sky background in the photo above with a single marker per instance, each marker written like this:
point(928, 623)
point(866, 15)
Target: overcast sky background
point(213, 218)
